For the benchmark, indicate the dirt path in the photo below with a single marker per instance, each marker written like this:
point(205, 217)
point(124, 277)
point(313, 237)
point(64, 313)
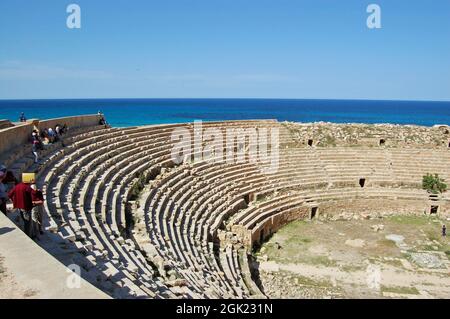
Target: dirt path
point(352, 260)
point(427, 284)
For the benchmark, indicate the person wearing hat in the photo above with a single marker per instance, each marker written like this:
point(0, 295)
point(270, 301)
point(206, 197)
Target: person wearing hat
point(3, 193)
point(22, 201)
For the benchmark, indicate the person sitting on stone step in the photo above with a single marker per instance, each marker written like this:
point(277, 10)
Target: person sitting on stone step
point(51, 135)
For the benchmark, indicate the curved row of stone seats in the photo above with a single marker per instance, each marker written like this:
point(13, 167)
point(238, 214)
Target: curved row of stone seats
point(161, 238)
point(60, 186)
point(126, 251)
point(99, 230)
point(127, 278)
point(318, 176)
point(50, 158)
point(168, 231)
point(373, 167)
point(246, 217)
point(277, 188)
point(366, 163)
point(166, 228)
point(288, 207)
point(186, 246)
point(186, 206)
point(196, 183)
point(245, 270)
point(85, 193)
point(211, 208)
point(221, 209)
point(228, 259)
point(257, 215)
point(21, 157)
point(413, 164)
point(203, 223)
point(405, 165)
point(188, 226)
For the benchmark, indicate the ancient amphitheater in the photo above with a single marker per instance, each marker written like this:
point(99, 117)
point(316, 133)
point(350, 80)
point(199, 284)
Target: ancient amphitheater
point(143, 226)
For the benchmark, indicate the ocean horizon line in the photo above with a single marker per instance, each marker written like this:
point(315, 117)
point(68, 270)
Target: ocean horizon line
point(222, 98)
point(135, 112)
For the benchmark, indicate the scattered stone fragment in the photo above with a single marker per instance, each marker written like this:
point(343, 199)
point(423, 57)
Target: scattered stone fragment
point(357, 243)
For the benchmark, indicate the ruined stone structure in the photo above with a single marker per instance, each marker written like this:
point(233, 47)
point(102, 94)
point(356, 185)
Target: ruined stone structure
point(141, 225)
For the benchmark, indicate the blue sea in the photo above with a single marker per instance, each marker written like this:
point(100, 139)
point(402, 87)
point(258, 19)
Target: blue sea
point(133, 112)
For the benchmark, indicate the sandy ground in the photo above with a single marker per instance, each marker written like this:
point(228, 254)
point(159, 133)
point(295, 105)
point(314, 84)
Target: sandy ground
point(407, 258)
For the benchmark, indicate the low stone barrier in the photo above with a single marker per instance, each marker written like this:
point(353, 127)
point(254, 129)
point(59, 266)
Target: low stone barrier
point(20, 134)
point(37, 272)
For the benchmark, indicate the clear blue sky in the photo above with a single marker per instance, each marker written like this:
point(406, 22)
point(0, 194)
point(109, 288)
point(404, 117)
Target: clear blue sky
point(225, 48)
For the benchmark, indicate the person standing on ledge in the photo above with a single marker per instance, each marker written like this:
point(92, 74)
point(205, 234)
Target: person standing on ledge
point(22, 117)
point(444, 230)
point(101, 119)
point(22, 200)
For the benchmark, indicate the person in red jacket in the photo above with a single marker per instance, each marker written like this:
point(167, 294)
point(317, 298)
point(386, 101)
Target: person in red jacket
point(21, 198)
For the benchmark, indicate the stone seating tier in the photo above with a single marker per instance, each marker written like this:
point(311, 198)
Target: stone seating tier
point(200, 218)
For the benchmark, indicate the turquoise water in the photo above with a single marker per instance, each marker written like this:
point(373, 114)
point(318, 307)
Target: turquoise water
point(132, 112)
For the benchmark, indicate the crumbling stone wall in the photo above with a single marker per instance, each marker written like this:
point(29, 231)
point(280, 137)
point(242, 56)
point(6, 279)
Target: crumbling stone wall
point(323, 134)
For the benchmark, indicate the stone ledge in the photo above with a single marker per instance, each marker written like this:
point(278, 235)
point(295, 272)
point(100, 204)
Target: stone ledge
point(34, 269)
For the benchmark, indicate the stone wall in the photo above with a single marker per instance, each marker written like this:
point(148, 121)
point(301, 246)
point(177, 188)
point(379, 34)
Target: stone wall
point(323, 134)
point(338, 210)
point(15, 136)
point(20, 134)
point(376, 208)
point(72, 121)
point(272, 225)
point(5, 124)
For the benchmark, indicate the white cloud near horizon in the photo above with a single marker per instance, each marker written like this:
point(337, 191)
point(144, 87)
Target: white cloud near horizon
point(20, 70)
point(14, 69)
point(25, 80)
